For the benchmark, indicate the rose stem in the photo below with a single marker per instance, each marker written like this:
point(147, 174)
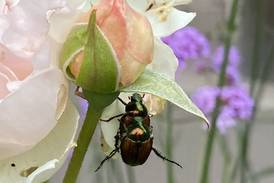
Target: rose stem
point(83, 142)
point(222, 78)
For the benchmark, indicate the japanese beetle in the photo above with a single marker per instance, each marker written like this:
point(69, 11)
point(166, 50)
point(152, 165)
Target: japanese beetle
point(134, 140)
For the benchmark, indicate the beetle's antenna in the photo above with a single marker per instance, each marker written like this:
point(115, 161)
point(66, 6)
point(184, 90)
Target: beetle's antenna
point(107, 158)
point(113, 117)
point(123, 102)
point(164, 158)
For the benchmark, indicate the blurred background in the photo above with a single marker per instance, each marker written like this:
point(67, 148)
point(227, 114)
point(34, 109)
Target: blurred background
point(243, 149)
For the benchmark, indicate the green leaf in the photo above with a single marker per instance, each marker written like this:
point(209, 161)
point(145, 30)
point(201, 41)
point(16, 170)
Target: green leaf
point(99, 71)
point(161, 86)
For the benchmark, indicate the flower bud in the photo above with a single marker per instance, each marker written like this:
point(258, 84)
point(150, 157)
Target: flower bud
point(89, 60)
point(129, 34)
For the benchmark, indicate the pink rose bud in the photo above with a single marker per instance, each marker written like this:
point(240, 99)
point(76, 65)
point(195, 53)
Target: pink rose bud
point(130, 35)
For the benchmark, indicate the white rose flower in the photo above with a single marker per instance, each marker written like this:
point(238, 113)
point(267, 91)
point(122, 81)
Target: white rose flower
point(38, 122)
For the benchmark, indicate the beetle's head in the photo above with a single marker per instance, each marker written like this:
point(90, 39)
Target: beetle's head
point(136, 97)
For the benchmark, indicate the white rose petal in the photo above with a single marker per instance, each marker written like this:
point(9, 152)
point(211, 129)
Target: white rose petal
point(42, 161)
point(138, 5)
point(31, 112)
point(174, 21)
point(25, 26)
point(61, 23)
point(62, 20)
point(164, 18)
point(164, 60)
point(41, 60)
point(182, 2)
point(13, 85)
point(142, 5)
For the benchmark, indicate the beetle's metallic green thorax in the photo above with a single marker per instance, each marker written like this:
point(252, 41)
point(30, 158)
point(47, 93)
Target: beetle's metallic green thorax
point(137, 131)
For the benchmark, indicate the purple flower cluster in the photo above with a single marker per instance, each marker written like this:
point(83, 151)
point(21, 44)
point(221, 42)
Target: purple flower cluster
point(214, 64)
point(236, 104)
point(232, 72)
point(187, 44)
point(205, 98)
point(190, 44)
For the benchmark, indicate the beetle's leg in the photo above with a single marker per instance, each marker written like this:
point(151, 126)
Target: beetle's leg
point(117, 138)
point(107, 158)
point(121, 100)
point(113, 117)
point(164, 158)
